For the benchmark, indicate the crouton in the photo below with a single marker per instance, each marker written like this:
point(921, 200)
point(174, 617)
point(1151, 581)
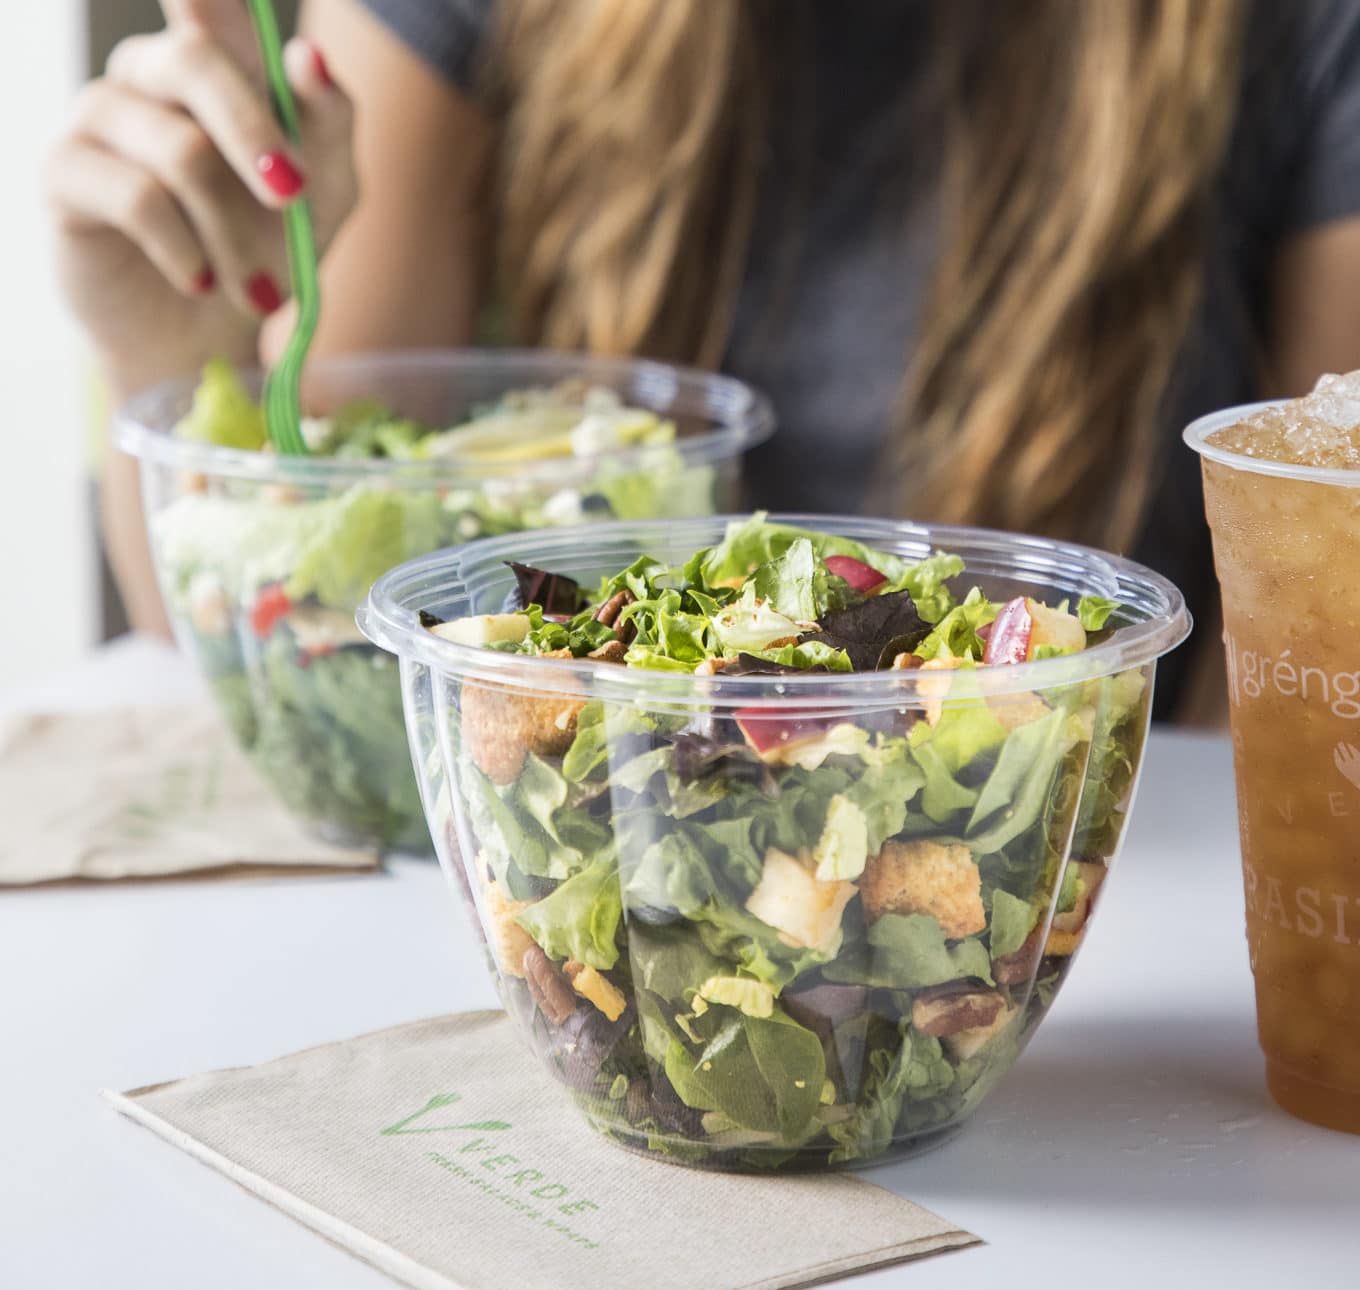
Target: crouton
point(501, 727)
point(925, 877)
point(508, 939)
point(968, 1043)
point(935, 689)
point(610, 652)
point(209, 608)
point(1015, 710)
point(1061, 944)
point(790, 898)
point(1068, 929)
point(596, 988)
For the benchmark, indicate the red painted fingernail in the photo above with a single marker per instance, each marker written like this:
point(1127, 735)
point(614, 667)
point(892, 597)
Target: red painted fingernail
point(323, 71)
point(264, 293)
point(205, 281)
point(283, 178)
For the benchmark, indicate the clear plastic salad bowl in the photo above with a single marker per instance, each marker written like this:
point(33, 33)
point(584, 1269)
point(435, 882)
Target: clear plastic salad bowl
point(641, 865)
point(263, 559)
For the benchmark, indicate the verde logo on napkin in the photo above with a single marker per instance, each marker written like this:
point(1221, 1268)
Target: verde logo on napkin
point(534, 1195)
point(441, 1152)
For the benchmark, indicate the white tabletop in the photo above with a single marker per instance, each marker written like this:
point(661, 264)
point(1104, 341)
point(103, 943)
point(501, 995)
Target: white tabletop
point(1133, 1141)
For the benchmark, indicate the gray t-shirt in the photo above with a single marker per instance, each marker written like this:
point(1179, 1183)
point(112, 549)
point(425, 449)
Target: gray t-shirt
point(840, 257)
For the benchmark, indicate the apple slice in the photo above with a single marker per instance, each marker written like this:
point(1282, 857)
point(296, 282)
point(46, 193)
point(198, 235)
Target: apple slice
point(1051, 627)
point(1024, 625)
point(771, 734)
point(1012, 630)
point(483, 629)
point(859, 575)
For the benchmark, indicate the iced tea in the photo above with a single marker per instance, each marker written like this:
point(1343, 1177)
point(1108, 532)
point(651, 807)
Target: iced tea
point(1282, 489)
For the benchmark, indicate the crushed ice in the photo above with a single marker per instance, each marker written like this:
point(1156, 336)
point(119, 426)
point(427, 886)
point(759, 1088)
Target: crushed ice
point(1321, 429)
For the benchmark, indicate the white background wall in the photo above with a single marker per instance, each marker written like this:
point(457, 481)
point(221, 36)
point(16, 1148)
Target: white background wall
point(47, 578)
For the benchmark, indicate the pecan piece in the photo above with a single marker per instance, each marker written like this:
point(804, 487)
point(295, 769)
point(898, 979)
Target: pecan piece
point(608, 614)
point(948, 1014)
point(551, 990)
point(1018, 967)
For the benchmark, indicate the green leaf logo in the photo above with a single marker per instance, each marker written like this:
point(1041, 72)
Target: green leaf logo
point(435, 1103)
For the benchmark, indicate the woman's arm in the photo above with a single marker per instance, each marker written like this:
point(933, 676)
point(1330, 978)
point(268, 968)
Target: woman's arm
point(1315, 308)
point(406, 268)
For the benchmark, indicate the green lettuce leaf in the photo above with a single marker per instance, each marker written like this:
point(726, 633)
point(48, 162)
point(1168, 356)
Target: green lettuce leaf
point(1094, 611)
point(223, 412)
point(966, 731)
point(799, 585)
point(909, 952)
point(1020, 787)
point(703, 871)
point(359, 536)
point(1012, 921)
point(665, 488)
point(580, 917)
point(943, 796)
point(785, 583)
point(808, 654)
point(670, 962)
point(918, 1068)
point(750, 543)
point(749, 625)
point(956, 634)
point(589, 751)
point(926, 582)
point(1116, 749)
point(1069, 891)
point(763, 1073)
point(890, 780)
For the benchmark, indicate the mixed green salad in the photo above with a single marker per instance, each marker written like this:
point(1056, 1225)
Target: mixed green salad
point(748, 934)
point(262, 578)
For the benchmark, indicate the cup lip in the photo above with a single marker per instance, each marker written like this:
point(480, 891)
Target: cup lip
point(140, 428)
point(389, 618)
point(1196, 436)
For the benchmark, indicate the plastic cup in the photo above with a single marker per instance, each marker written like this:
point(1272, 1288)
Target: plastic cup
point(550, 783)
point(313, 703)
point(1283, 539)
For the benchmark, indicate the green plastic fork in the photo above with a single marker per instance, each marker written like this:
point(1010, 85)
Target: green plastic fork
point(283, 382)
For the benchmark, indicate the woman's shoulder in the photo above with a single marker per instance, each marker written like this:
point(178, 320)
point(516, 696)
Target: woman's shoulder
point(1297, 146)
point(447, 34)
point(1310, 46)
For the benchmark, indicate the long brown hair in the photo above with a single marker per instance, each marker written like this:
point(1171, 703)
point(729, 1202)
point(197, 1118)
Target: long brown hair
point(1081, 140)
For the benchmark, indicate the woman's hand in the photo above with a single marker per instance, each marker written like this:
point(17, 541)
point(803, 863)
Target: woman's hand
point(167, 186)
